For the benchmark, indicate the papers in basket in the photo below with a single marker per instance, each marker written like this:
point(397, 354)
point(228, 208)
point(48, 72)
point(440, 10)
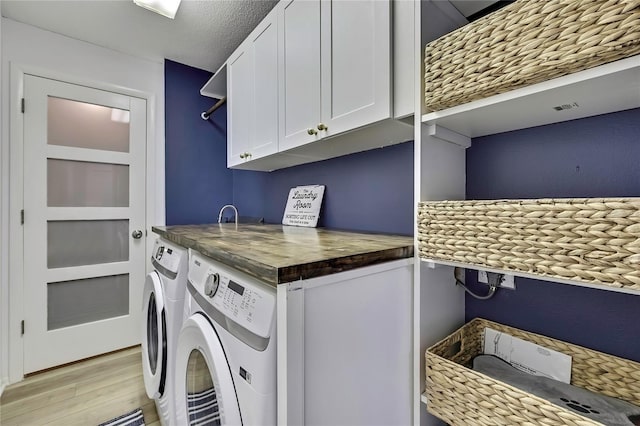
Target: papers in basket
point(527, 356)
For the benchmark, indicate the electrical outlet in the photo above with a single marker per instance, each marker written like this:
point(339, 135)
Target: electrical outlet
point(507, 280)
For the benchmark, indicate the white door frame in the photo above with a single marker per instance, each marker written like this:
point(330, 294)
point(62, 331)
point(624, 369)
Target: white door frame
point(15, 302)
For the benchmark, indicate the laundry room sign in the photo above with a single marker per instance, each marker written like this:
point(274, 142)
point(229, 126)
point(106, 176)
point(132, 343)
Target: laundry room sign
point(303, 206)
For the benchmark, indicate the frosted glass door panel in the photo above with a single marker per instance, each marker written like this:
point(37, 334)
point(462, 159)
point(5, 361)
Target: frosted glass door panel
point(86, 242)
point(82, 301)
point(85, 184)
point(83, 125)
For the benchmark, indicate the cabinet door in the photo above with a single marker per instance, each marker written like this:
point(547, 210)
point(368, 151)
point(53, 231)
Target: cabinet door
point(253, 96)
point(239, 106)
point(264, 111)
point(299, 27)
point(356, 63)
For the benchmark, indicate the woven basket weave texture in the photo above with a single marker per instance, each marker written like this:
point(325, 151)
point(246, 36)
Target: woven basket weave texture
point(527, 42)
point(590, 240)
point(461, 396)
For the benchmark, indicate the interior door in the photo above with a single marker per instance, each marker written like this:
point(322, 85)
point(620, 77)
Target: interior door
point(84, 221)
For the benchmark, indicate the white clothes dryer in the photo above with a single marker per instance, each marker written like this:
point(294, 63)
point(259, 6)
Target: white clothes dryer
point(226, 356)
point(162, 313)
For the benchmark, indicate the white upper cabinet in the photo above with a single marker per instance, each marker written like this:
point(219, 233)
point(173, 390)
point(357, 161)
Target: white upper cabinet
point(311, 74)
point(300, 104)
point(265, 89)
point(356, 64)
point(252, 96)
point(238, 106)
point(335, 67)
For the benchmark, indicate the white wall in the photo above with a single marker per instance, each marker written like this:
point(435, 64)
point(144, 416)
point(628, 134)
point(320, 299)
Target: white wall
point(53, 54)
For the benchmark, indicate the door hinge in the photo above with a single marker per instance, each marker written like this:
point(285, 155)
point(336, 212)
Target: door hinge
point(22, 105)
point(22, 328)
point(22, 217)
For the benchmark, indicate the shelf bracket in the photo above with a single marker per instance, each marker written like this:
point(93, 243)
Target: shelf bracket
point(449, 136)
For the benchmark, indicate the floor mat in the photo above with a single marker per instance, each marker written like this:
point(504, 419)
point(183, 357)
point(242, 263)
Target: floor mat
point(134, 418)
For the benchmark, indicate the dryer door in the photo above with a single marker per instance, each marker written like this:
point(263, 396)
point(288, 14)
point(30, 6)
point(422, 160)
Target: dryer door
point(154, 336)
point(205, 392)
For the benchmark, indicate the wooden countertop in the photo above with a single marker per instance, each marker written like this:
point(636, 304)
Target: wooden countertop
point(279, 254)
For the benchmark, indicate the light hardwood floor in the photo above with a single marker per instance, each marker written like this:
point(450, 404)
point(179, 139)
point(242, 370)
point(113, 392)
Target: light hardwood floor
point(84, 393)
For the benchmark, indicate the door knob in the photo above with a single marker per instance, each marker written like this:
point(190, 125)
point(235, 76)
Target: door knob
point(137, 234)
point(322, 126)
point(312, 131)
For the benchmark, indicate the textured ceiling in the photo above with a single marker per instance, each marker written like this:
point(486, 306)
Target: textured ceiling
point(203, 34)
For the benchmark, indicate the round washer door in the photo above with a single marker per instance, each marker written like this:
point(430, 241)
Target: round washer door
point(154, 336)
point(205, 393)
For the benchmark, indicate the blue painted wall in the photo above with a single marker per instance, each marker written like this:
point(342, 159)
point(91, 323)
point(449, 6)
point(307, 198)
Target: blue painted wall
point(370, 191)
point(373, 191)
point(592, 157)
point(198, 182)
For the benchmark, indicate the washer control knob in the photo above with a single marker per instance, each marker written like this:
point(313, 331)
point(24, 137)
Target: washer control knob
point(211, 284)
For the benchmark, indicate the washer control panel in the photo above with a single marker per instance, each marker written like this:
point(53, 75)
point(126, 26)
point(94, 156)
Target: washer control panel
point(247, 305)
point(239, 297)
point(167, 256)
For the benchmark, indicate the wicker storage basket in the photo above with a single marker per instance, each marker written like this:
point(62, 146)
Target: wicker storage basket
point(461, 396)
point(527, 42)
point(592, 240)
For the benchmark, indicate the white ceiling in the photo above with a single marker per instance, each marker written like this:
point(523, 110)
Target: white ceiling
point(203, 34)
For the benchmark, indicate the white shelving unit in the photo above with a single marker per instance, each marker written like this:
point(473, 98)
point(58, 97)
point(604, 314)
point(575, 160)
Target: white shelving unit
point(439, 167)
point(433, 263)
point(216, 86)
point(439, 164)
point(600, 90)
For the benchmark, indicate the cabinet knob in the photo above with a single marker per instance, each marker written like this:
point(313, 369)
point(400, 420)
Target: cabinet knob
point(247, 155)
point(243, 155)
point(322, 126)
point(312, 131)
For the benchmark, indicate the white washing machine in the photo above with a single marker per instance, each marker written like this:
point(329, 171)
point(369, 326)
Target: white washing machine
point(162, 313)
point(226, 357)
